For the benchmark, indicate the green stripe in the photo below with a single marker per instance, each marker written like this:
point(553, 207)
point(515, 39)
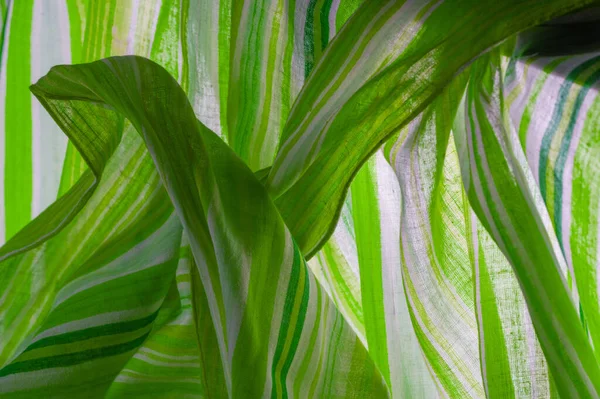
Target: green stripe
point(264, 133)
point(345, 11)
point(279, 381)
point(300, 317)
point(18, 162)
point(244, 94)
point(163, 51)
point(368, 238)
point(225, 30)
point(71, 359)
point(75, 22)
point(183, 31)
point(93, 332)
point(309, 40)
point(287, 98)
point(325, 24)
point(497, 367)
point(110, 25)
point(332, 260)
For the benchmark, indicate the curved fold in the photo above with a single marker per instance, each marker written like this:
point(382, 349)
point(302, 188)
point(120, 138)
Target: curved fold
point(271, 317)
point(505, 199)
point(388, 62)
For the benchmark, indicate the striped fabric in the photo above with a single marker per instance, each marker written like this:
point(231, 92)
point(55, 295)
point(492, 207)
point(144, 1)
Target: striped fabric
point(504, 198)
point(560, 146)
point(296, 198)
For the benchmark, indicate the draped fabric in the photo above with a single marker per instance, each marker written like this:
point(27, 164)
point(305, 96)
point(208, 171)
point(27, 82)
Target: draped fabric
point(298, 198)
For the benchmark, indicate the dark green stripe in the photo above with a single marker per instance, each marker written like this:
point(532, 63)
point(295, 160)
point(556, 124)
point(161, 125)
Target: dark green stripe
point(325, 24)
point(555, 121)
point(288, 308)
point(298, 330)
point(309, 39)
point(564, 149)
point(71, 359)
point(93, 332)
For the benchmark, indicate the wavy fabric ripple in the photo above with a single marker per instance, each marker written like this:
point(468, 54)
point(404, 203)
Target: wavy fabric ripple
point(297, 198)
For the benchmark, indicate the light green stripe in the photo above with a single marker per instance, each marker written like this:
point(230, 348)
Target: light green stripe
point(366, 214)
point(494, 358)
point(18, 166)
point(333, 261)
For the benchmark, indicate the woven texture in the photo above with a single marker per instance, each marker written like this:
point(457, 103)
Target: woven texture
point(297, 198)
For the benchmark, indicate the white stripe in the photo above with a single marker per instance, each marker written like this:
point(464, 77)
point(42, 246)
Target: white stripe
point(50, 29)
point(134, 377)
point(335, 4)
point(408, 371)
point(154, 362)
point(153, 251)
point(166, 356)
point(234, 296)
point(132, 27)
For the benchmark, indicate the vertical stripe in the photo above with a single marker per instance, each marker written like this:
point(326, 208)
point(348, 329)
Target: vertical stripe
point(368, 238)
point(294, 313)
point(324, 17)
point(18, 152)
point(3, 77)
point(309, 40)
point(183, 42)
point(50, 46)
